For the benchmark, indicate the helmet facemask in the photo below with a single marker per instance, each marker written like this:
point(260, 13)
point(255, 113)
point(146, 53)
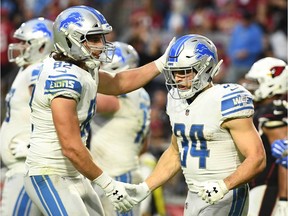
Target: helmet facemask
point(26, 53)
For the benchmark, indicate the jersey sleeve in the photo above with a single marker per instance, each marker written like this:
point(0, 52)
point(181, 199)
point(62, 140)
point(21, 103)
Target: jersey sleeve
point(236, 102)
point(67, 85)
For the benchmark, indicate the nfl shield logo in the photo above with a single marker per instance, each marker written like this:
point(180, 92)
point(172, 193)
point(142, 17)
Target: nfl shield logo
point(187, 112)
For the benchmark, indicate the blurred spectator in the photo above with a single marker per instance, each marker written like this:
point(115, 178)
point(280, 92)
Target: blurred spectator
point(143, 36)
point(278, 39)
point(227, 15)
point(177, 20)
point(160, 126)
point(245, 47)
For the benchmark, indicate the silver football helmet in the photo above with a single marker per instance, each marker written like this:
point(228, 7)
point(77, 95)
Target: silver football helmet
point(270, 76)
point(125, 57)
point(36, 42)
point(78, 24)
point(191, 53)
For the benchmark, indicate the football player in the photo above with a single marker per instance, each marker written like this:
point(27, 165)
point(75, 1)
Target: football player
point(267, 80)
point(120, 128)
point(35, 43)
point(214, 140)
point(60, 167)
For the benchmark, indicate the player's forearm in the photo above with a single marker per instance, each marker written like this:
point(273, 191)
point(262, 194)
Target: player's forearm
point(282, 182)
point(167, 166)
point(83, 162)
point(250, 168)
point(127, 81)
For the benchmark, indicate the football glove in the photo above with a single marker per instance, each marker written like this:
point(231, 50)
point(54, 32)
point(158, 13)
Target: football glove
point(279, 147)
point(160, 62)
point(19, 150)
point(115, 191)
point(279, 150)
point(212, 192)
point(281, 208)
point(138, 192)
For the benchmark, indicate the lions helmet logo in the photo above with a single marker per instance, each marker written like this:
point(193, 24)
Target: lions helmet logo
point(43, 28)
point(75, 18)
point(202, 49)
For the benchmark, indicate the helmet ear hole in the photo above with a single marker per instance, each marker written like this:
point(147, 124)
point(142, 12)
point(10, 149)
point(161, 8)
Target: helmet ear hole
point(42, 47)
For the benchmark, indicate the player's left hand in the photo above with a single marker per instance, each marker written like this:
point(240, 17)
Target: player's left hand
point(281, 208)
point(212, 192)
point(161, 61)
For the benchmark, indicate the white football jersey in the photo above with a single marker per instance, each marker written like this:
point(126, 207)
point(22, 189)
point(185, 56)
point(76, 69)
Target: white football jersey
point(58, 78)
point(16, 126)
point(117, 139)
point(207, 151)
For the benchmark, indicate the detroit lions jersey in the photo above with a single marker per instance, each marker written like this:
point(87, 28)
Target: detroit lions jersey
point(207, 151)
point(16, 126)
point(117, 139)
point(58, 78)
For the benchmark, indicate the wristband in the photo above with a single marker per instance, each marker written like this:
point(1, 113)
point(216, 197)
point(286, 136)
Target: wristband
point(103, 180)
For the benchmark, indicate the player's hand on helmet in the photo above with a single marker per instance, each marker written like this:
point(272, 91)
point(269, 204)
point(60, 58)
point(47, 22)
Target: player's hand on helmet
point(213, 191)
point(138, 192)
point(281, 208)
point(160, 62)
point(19, 150)
point(115, 191)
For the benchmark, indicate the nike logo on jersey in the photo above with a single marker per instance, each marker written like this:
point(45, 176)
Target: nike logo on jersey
point(232, 89)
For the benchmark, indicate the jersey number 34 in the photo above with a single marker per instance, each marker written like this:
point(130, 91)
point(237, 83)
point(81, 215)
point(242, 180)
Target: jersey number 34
point(198, 147)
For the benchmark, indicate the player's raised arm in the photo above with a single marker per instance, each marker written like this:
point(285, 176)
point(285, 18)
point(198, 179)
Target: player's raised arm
point(132, 79)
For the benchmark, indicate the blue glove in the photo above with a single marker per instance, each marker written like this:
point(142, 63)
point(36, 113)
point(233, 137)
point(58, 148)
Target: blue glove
point(279, 150)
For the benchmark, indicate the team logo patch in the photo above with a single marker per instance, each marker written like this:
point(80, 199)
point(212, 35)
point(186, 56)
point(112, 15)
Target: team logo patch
point(202, 49)
point(75, 18)
point(43, 28)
